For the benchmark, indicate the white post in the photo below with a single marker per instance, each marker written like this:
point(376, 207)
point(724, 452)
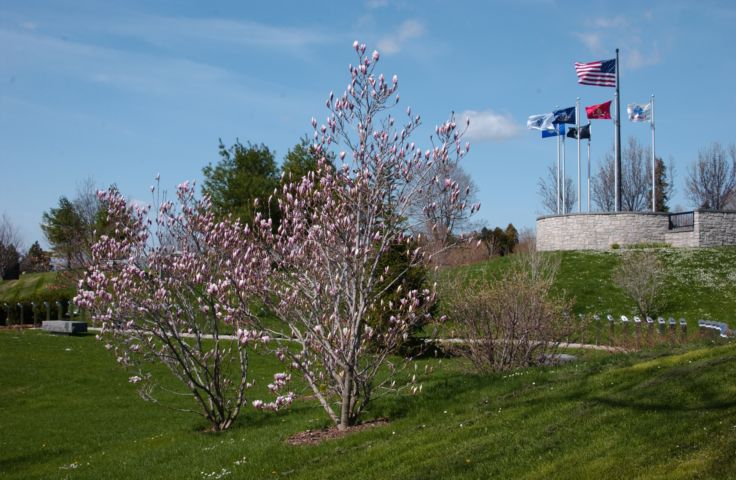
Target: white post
point(654, 162)
point(577, 125)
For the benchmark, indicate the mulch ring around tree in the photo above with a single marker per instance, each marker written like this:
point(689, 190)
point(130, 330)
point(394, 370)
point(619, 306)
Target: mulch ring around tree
point(314, 437)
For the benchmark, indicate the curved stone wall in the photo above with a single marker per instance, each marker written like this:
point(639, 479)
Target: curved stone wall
point(599, 231)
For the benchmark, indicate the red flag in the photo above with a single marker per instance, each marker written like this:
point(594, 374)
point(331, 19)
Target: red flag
point(602, 111)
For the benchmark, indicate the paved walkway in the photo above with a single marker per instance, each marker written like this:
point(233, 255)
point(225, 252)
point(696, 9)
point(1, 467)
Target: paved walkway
point(573, 346)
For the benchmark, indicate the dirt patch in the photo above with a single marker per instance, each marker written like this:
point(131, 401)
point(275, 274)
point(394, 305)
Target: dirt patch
point(313, 437)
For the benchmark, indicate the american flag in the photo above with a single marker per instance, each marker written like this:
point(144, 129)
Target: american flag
point(602, 73)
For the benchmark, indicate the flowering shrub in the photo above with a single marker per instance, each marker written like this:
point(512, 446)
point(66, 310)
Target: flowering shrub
point(337, 225)
point(166, 286)
point(159, 287)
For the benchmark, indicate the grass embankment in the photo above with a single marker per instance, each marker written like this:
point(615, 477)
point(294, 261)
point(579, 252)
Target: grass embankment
point(700, 283)
point(68, 411)
point(36, 287)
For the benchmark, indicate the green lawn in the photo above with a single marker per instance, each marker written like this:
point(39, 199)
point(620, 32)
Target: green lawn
point(67, 411)
point(700, 283)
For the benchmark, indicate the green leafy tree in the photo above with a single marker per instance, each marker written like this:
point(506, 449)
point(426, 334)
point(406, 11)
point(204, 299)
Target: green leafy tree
point(36, 260)
point(399, 271)
point(302, 159)
point(244, 174)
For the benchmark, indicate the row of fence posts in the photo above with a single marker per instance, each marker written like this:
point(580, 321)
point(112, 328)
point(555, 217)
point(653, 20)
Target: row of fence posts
point(647, 332)
point(16, 314)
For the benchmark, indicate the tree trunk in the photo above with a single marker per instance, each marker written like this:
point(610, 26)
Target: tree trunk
point(347, 392)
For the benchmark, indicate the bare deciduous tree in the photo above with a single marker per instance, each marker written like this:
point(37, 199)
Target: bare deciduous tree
point(449, 214)
point(641, 276)
point(547, 191)
point(70, 227)
point(711, 180)
point(513, 321)
point(636, 180)
point(10, 243)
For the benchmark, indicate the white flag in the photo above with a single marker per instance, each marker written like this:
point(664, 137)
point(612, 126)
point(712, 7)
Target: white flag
point(540, 122)
point(639, 112)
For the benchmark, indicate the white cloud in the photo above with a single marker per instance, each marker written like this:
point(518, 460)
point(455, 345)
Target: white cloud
point(132, 72)
point(635, 58)
point(394, 42)
point(488, 125)
point(623, 32)
point(592, 41)
point(376, 3)
point(611, 22)
point(174, 30)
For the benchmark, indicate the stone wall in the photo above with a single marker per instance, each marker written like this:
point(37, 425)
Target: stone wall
point(599, 231)
point(715, 228)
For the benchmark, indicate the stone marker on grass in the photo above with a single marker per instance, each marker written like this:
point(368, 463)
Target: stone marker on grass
point(64, 326)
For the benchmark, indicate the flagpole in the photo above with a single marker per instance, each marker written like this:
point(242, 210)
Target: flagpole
point(589, 137)
point(654, 162)
point(564, 177)
point(617, 138)
point(558, 175)
point(577, 125)
point(616, 165)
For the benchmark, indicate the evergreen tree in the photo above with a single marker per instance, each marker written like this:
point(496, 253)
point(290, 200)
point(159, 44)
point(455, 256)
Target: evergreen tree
point(662, 185)
point(11, 270)
point(301, 160)
point(243, 174)
point(36, 260)
point(63, 227)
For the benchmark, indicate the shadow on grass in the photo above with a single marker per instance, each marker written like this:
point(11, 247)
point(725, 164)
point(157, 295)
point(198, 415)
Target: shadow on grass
point(19, 462)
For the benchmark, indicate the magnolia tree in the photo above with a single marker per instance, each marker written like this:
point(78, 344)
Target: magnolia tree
point(166, 285)
point(337, 224)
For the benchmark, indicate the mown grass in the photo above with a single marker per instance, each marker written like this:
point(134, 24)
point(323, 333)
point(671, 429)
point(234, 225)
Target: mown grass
point(700, 283)
point(67, 411)
point(36, 287)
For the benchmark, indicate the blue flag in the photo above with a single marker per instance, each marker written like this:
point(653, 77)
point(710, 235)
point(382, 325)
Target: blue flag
point(559, 130)
point(565, 115)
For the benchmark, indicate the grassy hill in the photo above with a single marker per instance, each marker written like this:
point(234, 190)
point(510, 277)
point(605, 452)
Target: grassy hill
point(68, 411)
point(36, 287)
point(700, 283)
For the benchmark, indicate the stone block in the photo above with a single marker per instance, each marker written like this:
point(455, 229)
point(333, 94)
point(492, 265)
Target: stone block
point(64, 326)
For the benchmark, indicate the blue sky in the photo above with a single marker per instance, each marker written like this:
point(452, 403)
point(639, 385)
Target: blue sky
point(121, 91)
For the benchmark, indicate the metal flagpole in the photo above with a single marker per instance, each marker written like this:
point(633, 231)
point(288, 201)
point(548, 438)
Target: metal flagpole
point(617, 137)
point(564, 177)
point(558, 175)
point(577, 125)
point(590, 127)
point(616, 163)
point(654, 162)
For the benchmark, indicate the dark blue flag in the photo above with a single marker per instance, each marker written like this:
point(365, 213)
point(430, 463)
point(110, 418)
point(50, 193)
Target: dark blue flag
point(565, 115)
point(559, 130)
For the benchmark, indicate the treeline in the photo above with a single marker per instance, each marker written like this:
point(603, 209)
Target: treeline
point(710, 181)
